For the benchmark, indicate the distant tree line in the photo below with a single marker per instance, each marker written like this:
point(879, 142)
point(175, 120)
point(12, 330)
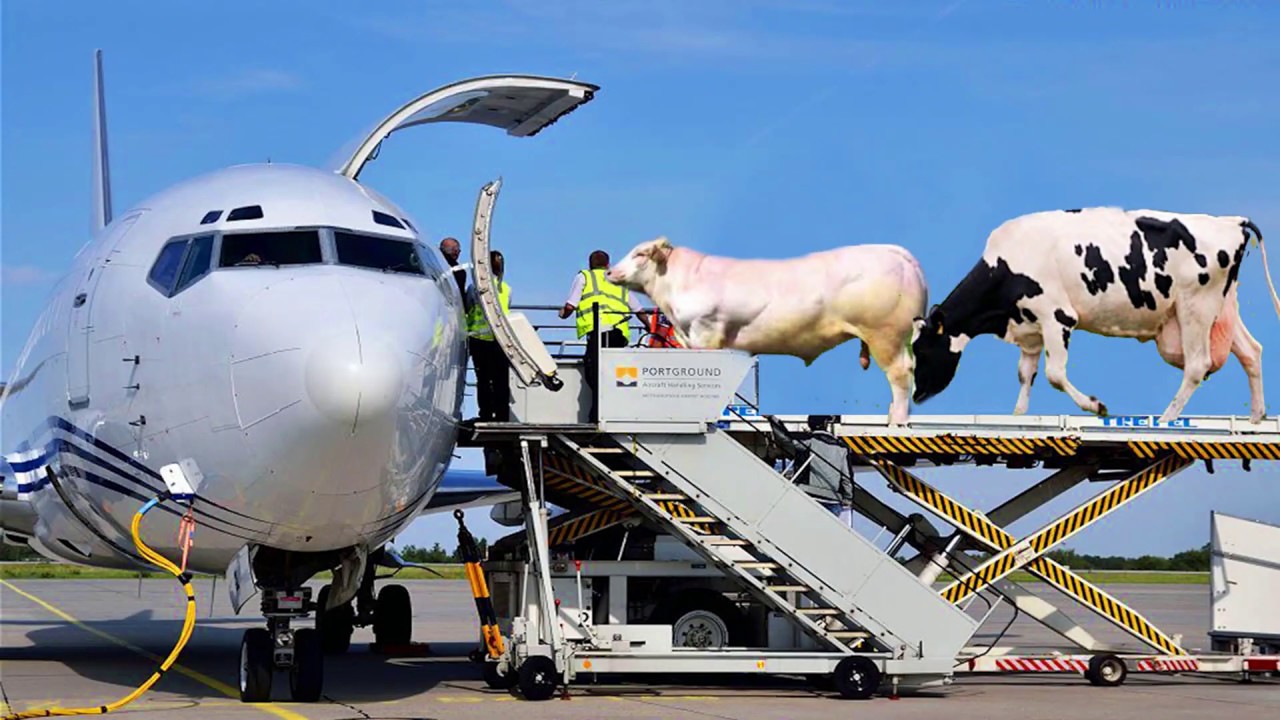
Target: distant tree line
point(1185, 561)
point(437, 554)
point(13, 553)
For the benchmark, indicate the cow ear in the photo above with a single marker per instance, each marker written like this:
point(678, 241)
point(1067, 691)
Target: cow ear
point(660, 249)
point(936, 319)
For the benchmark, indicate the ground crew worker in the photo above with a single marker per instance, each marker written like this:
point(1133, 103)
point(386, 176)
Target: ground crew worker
point(493, 377)
point(451, 251)
point(591, 288)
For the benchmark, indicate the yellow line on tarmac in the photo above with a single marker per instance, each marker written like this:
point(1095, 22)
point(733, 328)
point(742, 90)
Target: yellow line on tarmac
point(199, 677)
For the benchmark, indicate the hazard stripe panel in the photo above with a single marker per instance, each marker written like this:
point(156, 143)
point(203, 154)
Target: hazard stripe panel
point(1042, 541)
point(1028, 664)
point(995, 538)
point(572, 529)
point(960, 445)
point(1168, 665)
point(1207, 451)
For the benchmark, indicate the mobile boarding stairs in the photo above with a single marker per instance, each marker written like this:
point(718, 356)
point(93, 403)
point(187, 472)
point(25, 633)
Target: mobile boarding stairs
point(664, 451)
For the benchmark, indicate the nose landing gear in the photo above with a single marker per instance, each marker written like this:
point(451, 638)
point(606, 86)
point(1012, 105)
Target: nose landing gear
point(279, 647)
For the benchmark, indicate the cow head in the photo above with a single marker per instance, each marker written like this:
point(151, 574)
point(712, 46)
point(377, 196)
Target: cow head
point(937, 354)
point(644, 263)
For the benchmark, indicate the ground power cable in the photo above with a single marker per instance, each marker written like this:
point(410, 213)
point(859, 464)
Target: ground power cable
point(188, 625)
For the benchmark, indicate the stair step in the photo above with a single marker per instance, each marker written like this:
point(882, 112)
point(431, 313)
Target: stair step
point(695, 520)
point(665, 496)
point(818, 611)
point(603, 450)
point(756, 565)
point(635, 473)
point(724, 541)
point(788, 588)
point(849, 634)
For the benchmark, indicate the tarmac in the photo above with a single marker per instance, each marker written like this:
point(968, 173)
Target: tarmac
point(86, 642)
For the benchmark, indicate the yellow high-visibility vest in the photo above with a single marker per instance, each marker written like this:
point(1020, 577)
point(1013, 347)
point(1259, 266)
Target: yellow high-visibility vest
point(477, 325)
point(615, 311)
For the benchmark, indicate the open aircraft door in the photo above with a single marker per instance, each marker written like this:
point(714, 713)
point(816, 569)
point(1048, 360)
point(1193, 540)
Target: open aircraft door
point(513, 333)
point(522, 105)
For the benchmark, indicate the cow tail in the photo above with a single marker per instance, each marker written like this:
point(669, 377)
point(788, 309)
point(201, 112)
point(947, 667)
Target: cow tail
point(1257, 236)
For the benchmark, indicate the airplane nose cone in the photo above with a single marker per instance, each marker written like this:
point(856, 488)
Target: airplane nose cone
point(348, 380)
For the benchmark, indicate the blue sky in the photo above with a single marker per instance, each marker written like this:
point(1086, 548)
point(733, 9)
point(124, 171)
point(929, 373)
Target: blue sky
point(762, 128)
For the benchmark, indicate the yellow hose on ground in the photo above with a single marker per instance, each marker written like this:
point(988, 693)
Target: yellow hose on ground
point(188, 625)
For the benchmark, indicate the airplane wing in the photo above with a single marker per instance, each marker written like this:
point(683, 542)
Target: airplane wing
point(467, 489)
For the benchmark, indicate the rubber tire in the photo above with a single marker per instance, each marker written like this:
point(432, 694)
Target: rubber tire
point(706, 600)
point(393, 616)
point(538, 678)
point(497, 680)
point(335, 626)
point(257, 664)
point(856, 678)
point(1100, 665)
point(306, 677)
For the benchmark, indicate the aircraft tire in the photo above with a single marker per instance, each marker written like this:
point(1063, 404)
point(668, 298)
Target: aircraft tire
point(334, 625)
point(257, 663)
point(393, 616)
point(306, 677)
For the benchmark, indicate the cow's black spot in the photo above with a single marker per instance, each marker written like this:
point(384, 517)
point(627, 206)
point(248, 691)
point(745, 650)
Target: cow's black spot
point(1079, 251)
point(1062, 317)
point(1162, 236)
point(1100, 274)
point(1164, 282)
point(1204, 279)
point(1202, 261)
point(1234, 273)
point(1223, 258)
point(1066, 338)
point(1028, 315)
point(1134, 272)
point(1072, 210)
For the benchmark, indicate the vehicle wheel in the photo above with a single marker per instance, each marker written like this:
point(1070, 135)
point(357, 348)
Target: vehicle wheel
point(856, 677)
point(497, 680)
point(1106, 671)
point(257, 663)
point(334, 625)
point(306, 677)
point(393, 616)
point(538, 678)
point(701, 619)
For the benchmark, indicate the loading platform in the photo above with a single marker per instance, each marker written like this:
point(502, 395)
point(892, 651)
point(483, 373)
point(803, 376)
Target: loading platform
point(662, 453)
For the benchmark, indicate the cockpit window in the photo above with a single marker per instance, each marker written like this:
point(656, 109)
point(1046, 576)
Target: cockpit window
point(271, 249)
point(377, 253)
point(199, 257)
point(165, 269)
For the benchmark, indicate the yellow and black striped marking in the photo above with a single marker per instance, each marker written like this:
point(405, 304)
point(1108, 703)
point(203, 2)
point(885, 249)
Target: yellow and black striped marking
point(1041, 542)
point(870, 445)
point(562, 475)
point(995, 538)
point(571, 529)
point(1207, 450)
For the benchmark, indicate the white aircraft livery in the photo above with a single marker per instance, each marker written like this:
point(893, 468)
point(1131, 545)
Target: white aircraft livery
point(284, 341)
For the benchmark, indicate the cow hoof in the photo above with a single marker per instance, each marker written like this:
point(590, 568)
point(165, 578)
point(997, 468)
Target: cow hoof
point(1257, 418)
point(1101, 408)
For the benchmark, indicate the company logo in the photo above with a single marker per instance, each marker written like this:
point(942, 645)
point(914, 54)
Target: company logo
point(1147, 421)
point(626, 376)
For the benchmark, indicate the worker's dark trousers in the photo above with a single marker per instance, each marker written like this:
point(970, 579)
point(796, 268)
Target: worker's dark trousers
point(611, 339)
point(493, 380)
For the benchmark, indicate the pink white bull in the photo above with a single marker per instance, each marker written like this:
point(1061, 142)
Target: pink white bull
point(801, 306)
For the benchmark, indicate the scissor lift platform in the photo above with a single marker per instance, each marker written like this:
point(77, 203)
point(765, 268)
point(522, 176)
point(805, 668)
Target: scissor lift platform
point(661, 449)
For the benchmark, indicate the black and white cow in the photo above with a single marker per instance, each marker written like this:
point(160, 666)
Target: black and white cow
point(1141, 274)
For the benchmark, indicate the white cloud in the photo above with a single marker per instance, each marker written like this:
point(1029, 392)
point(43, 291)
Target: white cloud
point(26, 275)
point(252, 81)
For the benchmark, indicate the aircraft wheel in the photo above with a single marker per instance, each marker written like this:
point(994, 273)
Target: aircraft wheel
point(393, 616)
point(334, 625)
point(538, 678)
point(1106, 671)
point(497, 680)
point(306, 677)
point(257, 663)
point(856, 677)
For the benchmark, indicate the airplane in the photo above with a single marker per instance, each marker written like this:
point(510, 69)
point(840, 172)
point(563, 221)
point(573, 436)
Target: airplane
point(283, 342)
